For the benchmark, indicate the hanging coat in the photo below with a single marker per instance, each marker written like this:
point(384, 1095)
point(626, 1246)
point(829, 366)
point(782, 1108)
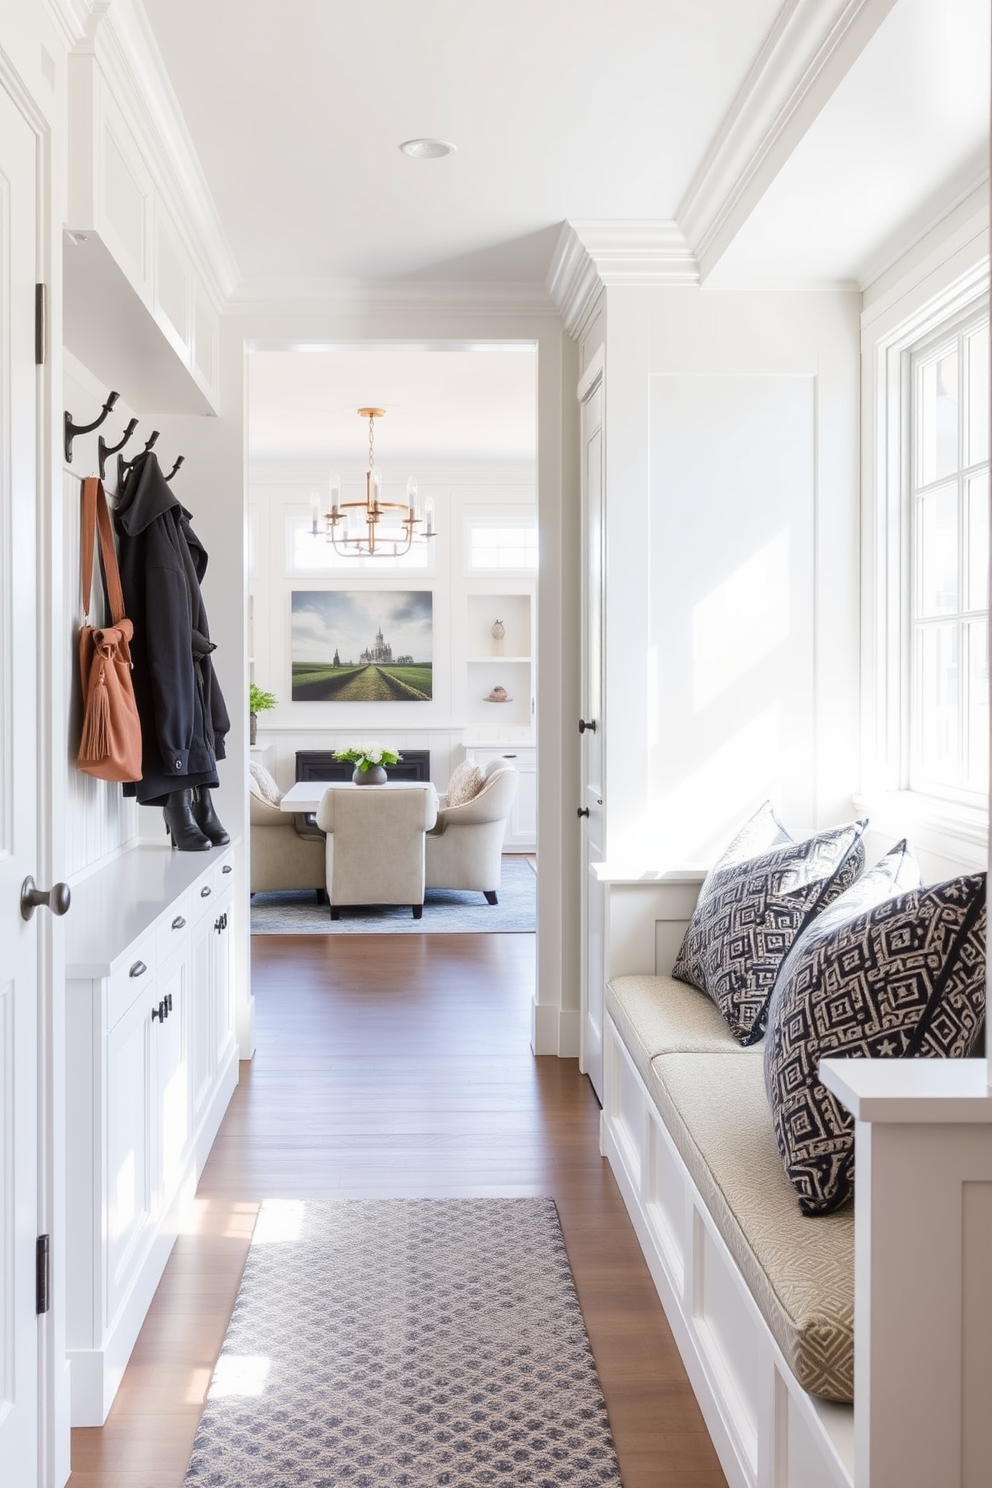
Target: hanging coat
point(184, 721)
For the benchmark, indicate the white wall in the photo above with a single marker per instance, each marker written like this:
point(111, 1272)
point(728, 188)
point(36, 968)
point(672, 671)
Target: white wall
point(732, 564)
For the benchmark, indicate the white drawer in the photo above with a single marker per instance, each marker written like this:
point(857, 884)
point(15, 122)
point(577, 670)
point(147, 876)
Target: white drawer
point(173, 928)
point(134, 975)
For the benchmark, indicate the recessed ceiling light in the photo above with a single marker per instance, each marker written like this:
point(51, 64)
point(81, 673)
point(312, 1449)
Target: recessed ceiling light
point(427, 149)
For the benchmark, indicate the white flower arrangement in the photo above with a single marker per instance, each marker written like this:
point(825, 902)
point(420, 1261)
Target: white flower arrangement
point(364, 756)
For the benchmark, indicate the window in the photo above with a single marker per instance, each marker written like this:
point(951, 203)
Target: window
point(306, 554)
point(948, 508)
point(496, 547)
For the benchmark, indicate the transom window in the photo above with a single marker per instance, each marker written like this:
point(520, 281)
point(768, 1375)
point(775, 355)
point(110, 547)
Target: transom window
point(495, 547)
point(948, 658)
point(307, 554)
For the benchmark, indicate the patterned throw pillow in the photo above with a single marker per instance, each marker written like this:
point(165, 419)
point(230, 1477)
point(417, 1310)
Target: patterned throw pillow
point(466, 781)
point(750, 912)
point(904, 978)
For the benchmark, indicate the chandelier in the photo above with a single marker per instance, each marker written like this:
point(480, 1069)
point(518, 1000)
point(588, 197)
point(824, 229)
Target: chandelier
point(358, 529)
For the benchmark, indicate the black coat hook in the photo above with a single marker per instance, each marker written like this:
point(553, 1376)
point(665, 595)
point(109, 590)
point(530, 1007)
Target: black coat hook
point(104, 449)
point(123, 466)
point(71, 429)
point(150, 442)
point(175, 467)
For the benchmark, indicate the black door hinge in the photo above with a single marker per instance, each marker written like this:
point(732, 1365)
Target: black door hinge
point(40, 324)
point(42, 1276)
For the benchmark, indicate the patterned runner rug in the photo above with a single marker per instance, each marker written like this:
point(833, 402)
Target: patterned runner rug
point(446, 911)
point(413, 1342)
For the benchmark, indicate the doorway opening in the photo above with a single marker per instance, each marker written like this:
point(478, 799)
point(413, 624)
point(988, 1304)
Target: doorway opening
point(430, 652)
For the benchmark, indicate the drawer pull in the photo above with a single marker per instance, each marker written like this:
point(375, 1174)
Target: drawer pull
point(178, 922)
point(227, 868)
point(206, 891)
point(138, 969)
point(509, 756)
point(168, 1002)
point(161, 1012)
point(221, 922)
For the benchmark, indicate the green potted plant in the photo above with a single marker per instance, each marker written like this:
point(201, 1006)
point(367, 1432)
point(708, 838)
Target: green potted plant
point(369, 761)
point(258, 702)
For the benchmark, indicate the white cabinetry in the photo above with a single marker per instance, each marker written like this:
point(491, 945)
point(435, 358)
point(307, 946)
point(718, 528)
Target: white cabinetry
point(521, 829)
point(152, 1063)
point(137, 312)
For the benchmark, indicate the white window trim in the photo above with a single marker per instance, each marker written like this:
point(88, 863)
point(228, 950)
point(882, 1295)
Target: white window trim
point(958, 828)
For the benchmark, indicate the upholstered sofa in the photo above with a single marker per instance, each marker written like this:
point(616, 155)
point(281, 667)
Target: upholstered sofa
point(464, 847)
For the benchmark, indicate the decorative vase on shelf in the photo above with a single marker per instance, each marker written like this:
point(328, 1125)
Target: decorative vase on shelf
point(497, 630)
point(374, 775)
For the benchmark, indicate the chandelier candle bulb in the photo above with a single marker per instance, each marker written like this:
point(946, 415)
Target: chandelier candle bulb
point(429, 516)
point(314, 512)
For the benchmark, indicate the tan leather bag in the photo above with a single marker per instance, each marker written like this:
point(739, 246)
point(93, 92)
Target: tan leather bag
point(110, 746)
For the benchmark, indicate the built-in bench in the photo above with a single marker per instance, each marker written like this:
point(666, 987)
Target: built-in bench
point(760, 1299)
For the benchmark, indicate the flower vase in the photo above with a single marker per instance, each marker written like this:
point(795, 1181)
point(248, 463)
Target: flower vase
point(374, 775)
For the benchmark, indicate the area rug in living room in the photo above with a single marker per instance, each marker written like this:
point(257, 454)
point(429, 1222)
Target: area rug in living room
point(446, 911)
point(413, 1342)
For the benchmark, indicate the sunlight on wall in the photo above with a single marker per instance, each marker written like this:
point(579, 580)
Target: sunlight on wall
point(703, 812)
point(278, 1220)
point(740, 622)
point(239, 1375)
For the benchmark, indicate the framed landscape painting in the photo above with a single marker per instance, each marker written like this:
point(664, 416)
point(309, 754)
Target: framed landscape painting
point(370, 646)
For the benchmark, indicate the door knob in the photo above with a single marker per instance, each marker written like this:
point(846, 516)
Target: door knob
point(582, 811)
point(583, 725)
point(57, 898)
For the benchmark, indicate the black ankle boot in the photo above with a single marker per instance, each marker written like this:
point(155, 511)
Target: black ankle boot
point(206, 817)
point(181, 824)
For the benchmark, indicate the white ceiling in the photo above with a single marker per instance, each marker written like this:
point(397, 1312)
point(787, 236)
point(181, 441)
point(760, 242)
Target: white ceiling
point(560, 110)
point(448, 402)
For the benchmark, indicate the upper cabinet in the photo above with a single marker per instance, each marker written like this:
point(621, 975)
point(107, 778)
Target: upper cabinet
point(137, 312)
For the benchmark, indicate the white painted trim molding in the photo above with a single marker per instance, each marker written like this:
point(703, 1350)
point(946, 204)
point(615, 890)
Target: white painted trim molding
point(591, 255)
point(807, 53)
point(271, 296)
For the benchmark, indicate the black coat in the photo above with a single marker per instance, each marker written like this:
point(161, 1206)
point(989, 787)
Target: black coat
point(184, 720)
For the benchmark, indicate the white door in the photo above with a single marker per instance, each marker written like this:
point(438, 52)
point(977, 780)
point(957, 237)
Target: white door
point(592, 749)
point(19, 999)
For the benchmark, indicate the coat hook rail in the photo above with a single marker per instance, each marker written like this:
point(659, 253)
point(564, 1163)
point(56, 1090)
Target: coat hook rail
point(71, 429)
point(104, 449)
point(175, 467)
point(123, 466)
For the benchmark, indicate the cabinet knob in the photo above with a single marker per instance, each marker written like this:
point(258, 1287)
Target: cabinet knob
point(178, 922)
point(161, 1012)
point(590, 725)
point(582, 811)
point(138, 969)
point(206, 891)
point(227, 868)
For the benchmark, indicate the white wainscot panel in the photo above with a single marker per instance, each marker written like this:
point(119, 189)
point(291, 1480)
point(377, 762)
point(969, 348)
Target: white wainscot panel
point(732, 1344)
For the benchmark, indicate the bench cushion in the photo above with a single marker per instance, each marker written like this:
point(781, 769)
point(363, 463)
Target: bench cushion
point(799, 1271)
point(658, 1015)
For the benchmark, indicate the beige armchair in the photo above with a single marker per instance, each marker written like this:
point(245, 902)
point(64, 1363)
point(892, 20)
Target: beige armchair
point(465, 847)
point(375, 844)
point(279, 858)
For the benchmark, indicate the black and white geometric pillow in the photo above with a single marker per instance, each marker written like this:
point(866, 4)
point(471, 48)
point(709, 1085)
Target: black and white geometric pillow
point(904, 979)
point(750, 912)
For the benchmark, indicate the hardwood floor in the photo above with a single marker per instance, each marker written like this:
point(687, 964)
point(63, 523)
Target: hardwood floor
point(387, 1066)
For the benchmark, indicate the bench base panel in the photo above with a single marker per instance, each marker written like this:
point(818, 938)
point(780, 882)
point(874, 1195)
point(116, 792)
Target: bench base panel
point(768, 1432)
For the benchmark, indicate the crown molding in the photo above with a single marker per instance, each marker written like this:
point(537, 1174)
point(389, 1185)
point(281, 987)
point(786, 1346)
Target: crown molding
point(275, 296)
point(73, 19)
point(591, 256)
point(808, 51)
point(119, 37)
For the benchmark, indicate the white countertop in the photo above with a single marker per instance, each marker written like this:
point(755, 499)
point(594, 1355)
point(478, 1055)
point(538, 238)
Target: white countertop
point(118, 903)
